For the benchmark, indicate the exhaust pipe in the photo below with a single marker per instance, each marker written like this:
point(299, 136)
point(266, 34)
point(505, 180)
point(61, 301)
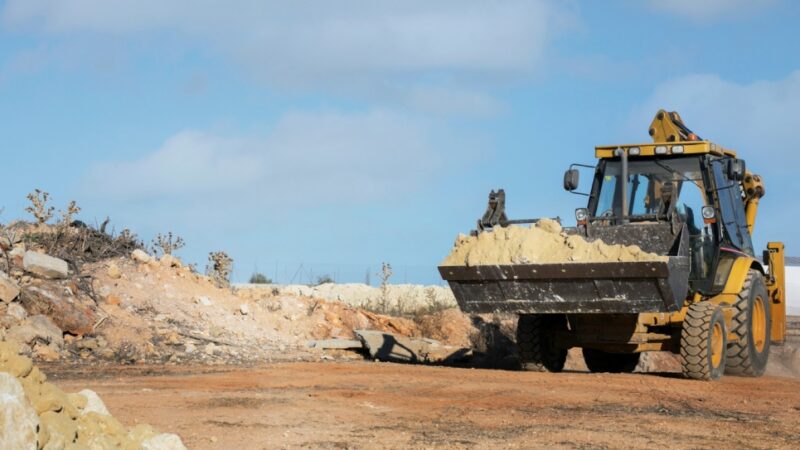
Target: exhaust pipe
point(623, 154)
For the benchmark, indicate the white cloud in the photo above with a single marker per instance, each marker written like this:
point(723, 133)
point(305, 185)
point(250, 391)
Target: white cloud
point(709, 9)
point(315, 42)
point(307, 159)
point(759, 118)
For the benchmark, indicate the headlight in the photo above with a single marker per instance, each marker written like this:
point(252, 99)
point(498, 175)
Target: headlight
point(634, 151)
point(709, 214)
point(581, 215)
point(661, 150)
point(677, 149)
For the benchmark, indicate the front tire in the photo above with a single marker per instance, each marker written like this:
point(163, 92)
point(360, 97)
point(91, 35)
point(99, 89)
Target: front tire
point(537, 349)
point(752, 323)
point(600, 361)
point(703, 342)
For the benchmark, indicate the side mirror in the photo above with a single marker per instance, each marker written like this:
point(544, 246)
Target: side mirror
point(571, 178)
point(736, 169)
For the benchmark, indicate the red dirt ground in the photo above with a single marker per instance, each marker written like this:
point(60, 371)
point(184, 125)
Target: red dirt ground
point(380, 405)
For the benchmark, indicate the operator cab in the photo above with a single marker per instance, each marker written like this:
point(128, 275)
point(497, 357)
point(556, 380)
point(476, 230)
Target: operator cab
point(693, 187)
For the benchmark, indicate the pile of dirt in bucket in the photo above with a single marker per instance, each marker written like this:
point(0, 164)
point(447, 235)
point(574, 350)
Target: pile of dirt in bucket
point(544, 243)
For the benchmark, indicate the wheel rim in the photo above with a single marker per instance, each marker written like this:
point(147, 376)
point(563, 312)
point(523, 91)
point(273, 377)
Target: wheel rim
point(717, 339)
point(759, 324)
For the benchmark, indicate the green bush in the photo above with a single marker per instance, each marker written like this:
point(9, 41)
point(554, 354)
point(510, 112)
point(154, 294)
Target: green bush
point(259, 278)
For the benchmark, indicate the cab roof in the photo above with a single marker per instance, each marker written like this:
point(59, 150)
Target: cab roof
point(663, 149)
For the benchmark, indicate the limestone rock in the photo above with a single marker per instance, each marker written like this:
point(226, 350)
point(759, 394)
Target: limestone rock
point(46, 352)
point(170, 261)
point(93, 403)
point(70, 315)
point(37, 328)
point(9, 290)
point(141, 256)
point(16, 255)
point(45, 266)
point(163, 441)
point(16, 311)
point(244, 309)
point(18, 420)
point(392, 347)
point(113, 271)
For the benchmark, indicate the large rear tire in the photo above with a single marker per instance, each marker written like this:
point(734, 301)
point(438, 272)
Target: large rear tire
point(751, 323)
point(703, 342)
point(537, 350)
point(600, 361)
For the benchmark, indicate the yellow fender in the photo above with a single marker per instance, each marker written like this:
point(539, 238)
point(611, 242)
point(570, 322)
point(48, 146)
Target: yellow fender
point(736, 279)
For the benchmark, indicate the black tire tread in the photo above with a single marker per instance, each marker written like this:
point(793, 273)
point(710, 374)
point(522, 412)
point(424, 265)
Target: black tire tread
point(536, 354)
point(740, 361)
point(694, 341)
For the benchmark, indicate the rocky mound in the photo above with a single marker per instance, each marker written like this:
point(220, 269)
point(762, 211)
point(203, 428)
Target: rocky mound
point(400, 299)
point(35, 414)
point(543, 243)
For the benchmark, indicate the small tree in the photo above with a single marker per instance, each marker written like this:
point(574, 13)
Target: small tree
point(165, 244)
point(385, 274)
point(259, 278)
point(39, 208)
point(219, 268)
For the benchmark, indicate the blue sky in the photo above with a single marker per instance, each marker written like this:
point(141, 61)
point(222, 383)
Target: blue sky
point(337, 135)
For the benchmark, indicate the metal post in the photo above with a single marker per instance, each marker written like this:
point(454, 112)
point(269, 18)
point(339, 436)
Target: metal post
point(624, 176)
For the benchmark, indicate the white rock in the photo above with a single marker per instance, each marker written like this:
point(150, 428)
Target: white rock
point(244, 309)
point(18, 419)
point(9, 290)
point(93, 403)
point(170, 261)
point(190, 348)
point(45, 266)
point(209, 348)
point(16, 311)
point(16, 254)
point(203, 300)
point(37, 328)
point(114, 271)
point(163, 441)
point(141, 256)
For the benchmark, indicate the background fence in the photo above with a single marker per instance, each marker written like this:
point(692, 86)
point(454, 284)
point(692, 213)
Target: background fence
point(295, 272)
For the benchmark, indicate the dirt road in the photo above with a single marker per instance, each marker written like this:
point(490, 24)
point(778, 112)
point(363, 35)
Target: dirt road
point(372, 405)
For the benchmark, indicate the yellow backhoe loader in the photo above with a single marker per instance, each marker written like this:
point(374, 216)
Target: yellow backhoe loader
point(712, 301)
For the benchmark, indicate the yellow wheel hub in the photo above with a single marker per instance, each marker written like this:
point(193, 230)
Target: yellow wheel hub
point(759, 324)
point(717, 338)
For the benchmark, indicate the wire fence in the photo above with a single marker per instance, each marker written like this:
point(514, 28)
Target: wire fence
point(312, 273)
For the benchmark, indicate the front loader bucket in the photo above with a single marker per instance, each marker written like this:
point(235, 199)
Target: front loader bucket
point(608, 287)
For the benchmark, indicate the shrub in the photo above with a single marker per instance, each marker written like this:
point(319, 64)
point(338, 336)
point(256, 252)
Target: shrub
point(219, 268)
point(323, 279)
point(39, 208)
point(165, 244)
point(259, 278)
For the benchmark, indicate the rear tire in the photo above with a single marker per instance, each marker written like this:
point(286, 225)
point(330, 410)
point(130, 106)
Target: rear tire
point(703, 342)
point(537, 350)
point(752, 323)
point(600, 361)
